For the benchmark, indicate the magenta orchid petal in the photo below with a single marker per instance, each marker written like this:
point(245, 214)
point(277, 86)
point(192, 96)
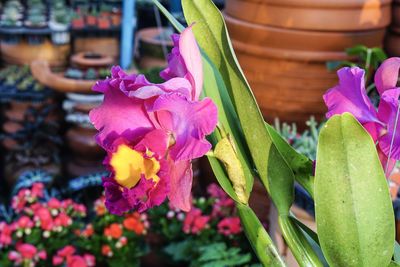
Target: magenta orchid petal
point(185, 62)
point(181, 178)
point(115, 201)
point(191, 56)
point(387, 75)
point(179, 85)
point(156, 141)
point(189, 122)
point(387, 113)
point(118, 116)
point(387, 164)
point(350, 96)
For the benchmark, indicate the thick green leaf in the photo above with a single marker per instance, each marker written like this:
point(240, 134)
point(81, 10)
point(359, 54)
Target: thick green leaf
point(258, 237)
point(396, 255)
point(354, 213)
point(300, 164)
point(393, 264)
point(213, 38)
point(214, 87)
point(298, 243)
point(177, 25)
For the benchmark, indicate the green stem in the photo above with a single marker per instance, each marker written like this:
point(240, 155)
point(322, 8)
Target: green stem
point(259, 239)
point(298, 244)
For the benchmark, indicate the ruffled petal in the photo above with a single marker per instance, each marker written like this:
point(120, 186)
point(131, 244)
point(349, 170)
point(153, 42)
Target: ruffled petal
point(156, 141)
point(118, 116)
point(189, 122)
point(350, 96)
point(387, 164)
point(185, 62)
point(115, 201)
point(387, 113)
point(181, 178)
point(179, 85)
point(387, 75)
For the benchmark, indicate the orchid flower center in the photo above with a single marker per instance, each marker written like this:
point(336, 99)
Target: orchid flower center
point(129, 165)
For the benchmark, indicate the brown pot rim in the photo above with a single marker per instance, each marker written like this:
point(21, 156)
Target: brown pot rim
point(80, 60)
point(318, 3)
point(148, 35)
point(41, 71)
point(267, 41)
point(310, 17)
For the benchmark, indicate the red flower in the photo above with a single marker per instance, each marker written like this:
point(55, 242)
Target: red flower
point(66, 251)
point(63, 220)
point(133, 224)
point(45, 218)
point(27, 251)
point(37, 190)
point(24, 222)
point(114, 231)
point(54, 203)
point(5, 234)
point(76, 261)
point(106, 250)
point(195, 222)
point(229, 226)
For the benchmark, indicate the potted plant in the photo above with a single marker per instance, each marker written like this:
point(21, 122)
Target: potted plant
point(103, 22)
point(78, 21)
point(11, 19)
point(91, 18)
point(59, 24)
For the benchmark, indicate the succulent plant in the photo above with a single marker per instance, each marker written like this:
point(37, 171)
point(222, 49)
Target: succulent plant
point(305, 143)
point(91, 74)
point(73, 74)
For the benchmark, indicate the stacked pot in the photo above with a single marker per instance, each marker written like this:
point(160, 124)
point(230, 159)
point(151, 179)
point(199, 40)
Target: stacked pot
point(392, 41)
point(283, 47)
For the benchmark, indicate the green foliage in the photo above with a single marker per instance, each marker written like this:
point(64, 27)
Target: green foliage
point(354, 213)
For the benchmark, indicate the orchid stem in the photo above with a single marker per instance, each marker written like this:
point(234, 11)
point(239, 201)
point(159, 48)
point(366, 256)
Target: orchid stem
point(259, 238)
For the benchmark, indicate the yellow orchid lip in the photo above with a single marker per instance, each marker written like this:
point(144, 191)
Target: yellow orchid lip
point(129, 165)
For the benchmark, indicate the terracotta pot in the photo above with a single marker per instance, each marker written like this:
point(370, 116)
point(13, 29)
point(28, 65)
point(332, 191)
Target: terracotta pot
point(91, 60)
point(42, 72)
point(396, 14)
point(151, 41)
point(392, 39)
point(23, 53)
point(82, 143)
point(286, 64)
point(324, 15)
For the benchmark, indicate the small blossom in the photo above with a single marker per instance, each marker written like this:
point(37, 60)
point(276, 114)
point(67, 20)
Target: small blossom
point(229, 226)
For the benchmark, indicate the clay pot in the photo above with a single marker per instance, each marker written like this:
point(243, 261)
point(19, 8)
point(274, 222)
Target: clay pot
point(81, 141)
point(392, 39)
point(283, 47)
point(87, 60)
point(151, 42)
point(320, 15)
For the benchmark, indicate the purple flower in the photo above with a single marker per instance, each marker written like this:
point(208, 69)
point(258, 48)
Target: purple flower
point(152, 131)
point(350, 96)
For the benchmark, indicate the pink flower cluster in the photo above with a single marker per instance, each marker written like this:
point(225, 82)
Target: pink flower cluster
point(223, 207)
point(68, 257)
point(26, 253)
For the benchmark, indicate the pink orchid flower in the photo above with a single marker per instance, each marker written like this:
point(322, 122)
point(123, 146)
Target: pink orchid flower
point(152, 131)
point(350, 96)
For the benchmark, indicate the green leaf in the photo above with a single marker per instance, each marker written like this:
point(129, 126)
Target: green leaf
point(222, 177)
point(396, 252)
point(393, 264)
point(301, 166)
point(177, 25)
point(212, 36)
point(214, 87)
point(258, 237)
point(298, 243)
point(354, 213)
